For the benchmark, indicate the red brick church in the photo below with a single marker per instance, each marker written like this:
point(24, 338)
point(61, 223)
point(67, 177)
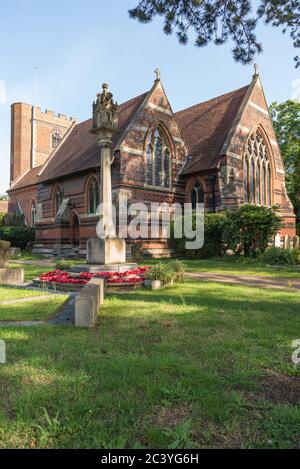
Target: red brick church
point(222, 152)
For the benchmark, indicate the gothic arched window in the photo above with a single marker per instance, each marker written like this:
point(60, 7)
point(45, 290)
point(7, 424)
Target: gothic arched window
point(158, 159)
point(257, 170)
point(93, 197)
point(197, 195)
point(57, 199)
point(56, 138)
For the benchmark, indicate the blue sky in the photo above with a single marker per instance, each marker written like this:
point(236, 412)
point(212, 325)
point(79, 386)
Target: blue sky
point(77, 45)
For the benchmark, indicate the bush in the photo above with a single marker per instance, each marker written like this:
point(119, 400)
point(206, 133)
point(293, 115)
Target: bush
point(213, 232)
point(178, 269)
point(251, 228)
point(162, 272)
point(19, 236)
point(279, 256)
point(63, 264)
point(296, 253)
point(12, 219)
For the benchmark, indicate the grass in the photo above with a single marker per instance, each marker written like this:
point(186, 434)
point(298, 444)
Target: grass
point(30, 270)
point(7, 293)
point(41, 309)
point(234, 266)
point(177, 368)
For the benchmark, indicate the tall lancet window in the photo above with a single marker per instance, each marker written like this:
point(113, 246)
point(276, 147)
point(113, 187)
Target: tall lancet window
point(56, 138)
point(197, 195)
point(257, 170)
point(93, 197)
point(158, 159)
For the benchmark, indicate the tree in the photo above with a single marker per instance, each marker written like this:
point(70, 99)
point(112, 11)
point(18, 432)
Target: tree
point(286, 121)
point(3, 197)
point(218, 21)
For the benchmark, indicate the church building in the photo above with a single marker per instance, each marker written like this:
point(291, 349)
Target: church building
point(222, 152)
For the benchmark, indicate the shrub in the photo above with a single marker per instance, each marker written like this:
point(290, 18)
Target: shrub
point(64, 264)
point(19, 236)
point(278, 256)
point(251, 228)
point(213, 231)
point(178, 269)
point(162, 272)
point(12, 219)
point(296, 253)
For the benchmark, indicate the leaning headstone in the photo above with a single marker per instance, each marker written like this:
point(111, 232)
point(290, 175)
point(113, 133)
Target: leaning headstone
point(286, 242)
point(277, 241)
point(8, 276)
point(4, 253)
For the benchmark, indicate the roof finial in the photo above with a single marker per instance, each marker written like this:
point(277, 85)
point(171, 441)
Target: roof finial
point(256, 70)
point(158, 74)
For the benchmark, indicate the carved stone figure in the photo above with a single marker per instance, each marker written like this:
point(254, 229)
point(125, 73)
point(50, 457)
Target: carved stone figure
point(105, 111)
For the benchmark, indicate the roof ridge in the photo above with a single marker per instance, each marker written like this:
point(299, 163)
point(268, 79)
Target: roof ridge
point(212, 99)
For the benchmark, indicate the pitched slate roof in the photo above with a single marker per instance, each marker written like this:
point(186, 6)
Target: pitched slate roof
point(79, 151)
point(205, 127)
point(30, 178)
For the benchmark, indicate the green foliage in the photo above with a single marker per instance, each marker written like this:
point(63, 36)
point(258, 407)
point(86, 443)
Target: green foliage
point(19, 236)
point(179, 269)
point(286, 121)
point(296, 253)
point(162, 272)
point(3, 197)
point(213, 231)
point(218, 22)
point(12, 219)
point(64, 264)
point(278, 256)
point(251, 228)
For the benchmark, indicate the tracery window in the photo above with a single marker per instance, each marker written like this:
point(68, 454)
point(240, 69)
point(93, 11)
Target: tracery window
point(257, 171)
point(158, 159)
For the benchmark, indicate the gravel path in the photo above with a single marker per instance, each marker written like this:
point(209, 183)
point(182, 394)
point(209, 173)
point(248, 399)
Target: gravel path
point(248, 280)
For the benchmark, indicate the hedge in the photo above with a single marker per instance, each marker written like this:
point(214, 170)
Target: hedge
point(213, 233)
point(19, 236)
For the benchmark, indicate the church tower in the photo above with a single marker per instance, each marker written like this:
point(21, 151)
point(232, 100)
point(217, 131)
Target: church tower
point(34, 136)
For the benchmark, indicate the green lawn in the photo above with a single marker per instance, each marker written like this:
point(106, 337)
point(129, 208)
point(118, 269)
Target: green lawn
point(233, 266)
point(7, 293)
point(194, 365)
point(30, 270)
point(41, 309)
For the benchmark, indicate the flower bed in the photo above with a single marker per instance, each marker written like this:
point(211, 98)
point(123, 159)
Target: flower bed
point(129, 277)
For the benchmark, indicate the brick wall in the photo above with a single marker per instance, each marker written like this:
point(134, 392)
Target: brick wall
point(31, 136)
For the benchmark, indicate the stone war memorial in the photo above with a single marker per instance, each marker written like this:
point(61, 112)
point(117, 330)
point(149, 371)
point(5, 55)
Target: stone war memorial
point(106, 251)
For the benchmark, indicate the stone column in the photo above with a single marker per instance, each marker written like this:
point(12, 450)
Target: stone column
point(106, 225)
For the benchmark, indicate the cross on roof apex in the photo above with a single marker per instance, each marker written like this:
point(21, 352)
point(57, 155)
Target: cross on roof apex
point(158, 74)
